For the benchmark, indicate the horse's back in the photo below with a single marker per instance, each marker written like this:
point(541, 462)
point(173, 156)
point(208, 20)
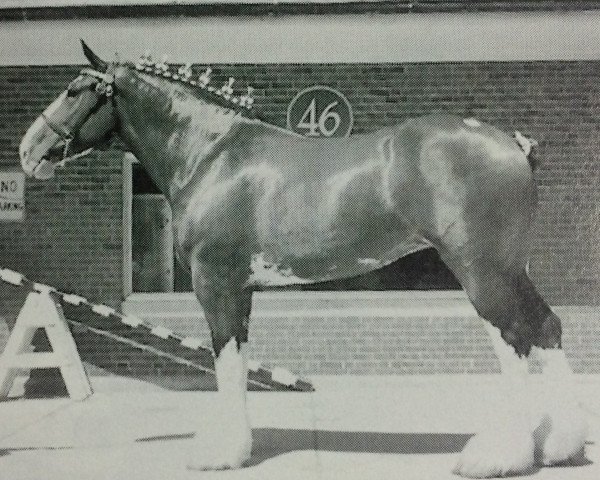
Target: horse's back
point(301, 158)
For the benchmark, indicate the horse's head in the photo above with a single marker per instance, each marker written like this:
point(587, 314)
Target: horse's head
point(80, 118)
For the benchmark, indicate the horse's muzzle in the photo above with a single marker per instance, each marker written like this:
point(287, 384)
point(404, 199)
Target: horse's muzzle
point(44, 170)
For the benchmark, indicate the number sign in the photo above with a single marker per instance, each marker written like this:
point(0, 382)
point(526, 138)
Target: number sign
point(320, 112)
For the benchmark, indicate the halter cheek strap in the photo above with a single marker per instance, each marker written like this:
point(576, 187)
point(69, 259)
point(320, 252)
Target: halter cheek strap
point(62, 131)
point(108, 78)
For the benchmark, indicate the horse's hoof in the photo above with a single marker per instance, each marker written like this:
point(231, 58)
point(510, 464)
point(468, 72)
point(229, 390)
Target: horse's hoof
point(497, 454)
point(220, 452)
point(561, 436)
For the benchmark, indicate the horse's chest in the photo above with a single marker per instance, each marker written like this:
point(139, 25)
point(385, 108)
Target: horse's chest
point(221, 213)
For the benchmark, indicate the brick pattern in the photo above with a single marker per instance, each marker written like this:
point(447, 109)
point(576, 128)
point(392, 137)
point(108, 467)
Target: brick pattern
point(72, 235)
point(353, 345)
point(405, 345)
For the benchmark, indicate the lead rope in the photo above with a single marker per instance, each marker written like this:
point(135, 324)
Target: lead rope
point(65, 159)
point(68, 140)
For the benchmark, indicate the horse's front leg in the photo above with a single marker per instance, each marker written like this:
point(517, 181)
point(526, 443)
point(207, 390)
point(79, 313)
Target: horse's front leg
point(225, 438)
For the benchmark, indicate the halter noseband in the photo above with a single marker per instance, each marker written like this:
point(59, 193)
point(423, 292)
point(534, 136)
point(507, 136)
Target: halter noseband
point(104, 88)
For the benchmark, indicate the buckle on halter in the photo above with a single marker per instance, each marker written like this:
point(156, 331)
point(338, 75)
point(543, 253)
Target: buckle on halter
point(105, 89)
point(105, 86)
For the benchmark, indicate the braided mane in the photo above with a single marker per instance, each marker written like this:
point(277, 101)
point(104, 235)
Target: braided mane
point(198, 85)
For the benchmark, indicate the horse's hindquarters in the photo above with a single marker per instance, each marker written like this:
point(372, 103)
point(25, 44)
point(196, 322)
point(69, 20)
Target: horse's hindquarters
point(468, 190)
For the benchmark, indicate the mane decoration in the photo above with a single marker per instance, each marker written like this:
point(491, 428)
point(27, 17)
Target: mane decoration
point(184, 74)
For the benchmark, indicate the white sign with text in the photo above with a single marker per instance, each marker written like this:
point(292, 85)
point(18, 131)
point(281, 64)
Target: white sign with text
point(12, 196)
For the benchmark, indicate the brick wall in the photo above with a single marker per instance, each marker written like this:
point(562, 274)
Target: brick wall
point(372, 332)
point(405, 344)
point(72, 236)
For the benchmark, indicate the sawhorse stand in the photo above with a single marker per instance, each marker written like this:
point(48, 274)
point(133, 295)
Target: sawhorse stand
point(40, 310)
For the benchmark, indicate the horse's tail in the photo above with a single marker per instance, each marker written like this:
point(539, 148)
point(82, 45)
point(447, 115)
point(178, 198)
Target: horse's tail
point(529, 147)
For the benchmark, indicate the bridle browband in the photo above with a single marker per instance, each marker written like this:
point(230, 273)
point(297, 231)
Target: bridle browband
point(104, 88)
point(107, 78)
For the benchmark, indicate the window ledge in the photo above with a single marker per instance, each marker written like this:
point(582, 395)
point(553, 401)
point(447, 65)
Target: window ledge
point(343, 304)
point(314, 304)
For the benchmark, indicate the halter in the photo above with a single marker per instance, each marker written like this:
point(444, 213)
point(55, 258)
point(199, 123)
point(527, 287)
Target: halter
point(104, 88)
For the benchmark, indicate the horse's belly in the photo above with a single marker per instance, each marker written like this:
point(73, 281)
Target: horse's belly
point(312, 232)
point(276, 269)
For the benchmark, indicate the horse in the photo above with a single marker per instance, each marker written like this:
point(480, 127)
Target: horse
point(257, 206)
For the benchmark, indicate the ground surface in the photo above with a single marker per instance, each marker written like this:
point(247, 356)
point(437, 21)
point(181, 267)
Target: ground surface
point(350, 428)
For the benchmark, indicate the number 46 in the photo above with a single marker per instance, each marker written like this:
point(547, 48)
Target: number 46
point(309, 120)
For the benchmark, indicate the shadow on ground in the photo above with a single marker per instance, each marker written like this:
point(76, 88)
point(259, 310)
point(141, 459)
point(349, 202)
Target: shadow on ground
point(271, 442)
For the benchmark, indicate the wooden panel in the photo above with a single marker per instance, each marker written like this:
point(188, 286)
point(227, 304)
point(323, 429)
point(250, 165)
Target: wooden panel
point(152, 244)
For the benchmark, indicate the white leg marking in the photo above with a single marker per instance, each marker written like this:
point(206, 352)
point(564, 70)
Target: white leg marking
point(226, 441)
point(506, 445)
point(513, 367)
point(563, 430)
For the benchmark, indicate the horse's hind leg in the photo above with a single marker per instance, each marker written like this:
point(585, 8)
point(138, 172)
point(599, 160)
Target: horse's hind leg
point(561, 433)
point(224, 438)
point(519, 320)
point(506, 444)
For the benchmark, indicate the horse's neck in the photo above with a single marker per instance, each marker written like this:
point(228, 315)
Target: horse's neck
point(172, 133)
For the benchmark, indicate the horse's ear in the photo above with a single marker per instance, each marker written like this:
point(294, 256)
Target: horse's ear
point(94, 59)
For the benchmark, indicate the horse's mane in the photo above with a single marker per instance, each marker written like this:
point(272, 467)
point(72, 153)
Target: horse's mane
point(210, 97)
point(196, 91)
